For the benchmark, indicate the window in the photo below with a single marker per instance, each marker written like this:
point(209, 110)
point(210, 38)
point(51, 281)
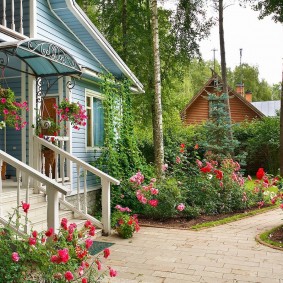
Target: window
point(95, 121)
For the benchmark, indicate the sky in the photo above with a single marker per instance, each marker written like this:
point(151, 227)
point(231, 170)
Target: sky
point(261, 42)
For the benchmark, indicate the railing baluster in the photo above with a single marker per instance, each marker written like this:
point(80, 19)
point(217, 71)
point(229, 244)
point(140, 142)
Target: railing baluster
point(43, 163)
point(26, 227)
point(78, 187)
point(13, 14)
point(62, 165)
point(21, 30)
point(56, 166)
point(85, 191)
point(50, 171)
point(19, 177)
point(4, 21)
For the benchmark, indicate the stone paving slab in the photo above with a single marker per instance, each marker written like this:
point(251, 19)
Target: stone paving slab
point(222, 254)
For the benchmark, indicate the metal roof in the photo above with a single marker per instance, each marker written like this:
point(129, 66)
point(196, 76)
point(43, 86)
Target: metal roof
point(268, 108)
point(72, 15)
point(43, 57)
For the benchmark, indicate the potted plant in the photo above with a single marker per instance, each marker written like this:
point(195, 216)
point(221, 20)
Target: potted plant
point(72, 112)
point(10, 111)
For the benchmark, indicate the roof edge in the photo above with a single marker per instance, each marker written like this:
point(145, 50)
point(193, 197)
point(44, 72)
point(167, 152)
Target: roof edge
point(96, 75)
point(85, 21)
point(230, 90)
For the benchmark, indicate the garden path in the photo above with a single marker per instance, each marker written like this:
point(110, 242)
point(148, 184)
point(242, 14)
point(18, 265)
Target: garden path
point(227, 253)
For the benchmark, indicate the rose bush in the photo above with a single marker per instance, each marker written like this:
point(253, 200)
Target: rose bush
point(50, 256)
point(124, 223)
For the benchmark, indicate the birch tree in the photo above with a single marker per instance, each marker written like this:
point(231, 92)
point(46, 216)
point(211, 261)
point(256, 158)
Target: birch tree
point(157, 121)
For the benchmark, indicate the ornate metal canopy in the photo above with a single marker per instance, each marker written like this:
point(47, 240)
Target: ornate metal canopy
point(44, 58)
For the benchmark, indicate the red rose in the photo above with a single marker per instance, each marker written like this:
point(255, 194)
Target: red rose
point(106, 253)
point(260, 173)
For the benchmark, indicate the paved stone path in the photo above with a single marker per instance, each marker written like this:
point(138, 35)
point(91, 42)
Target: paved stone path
point(227, 253)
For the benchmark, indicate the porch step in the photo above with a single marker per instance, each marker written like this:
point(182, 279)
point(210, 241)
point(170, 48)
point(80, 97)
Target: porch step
point(38, 210)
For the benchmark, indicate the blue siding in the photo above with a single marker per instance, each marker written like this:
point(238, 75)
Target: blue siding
point(51, 29)
point(66, 15)
point(79, 137)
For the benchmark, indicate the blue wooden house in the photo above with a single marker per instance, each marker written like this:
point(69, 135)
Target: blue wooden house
point(49, 51)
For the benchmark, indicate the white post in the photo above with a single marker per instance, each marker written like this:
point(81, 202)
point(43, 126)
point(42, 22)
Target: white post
point(13, 14)
point(52, 208)
point(78, 187)
point(106, 212)
point(4, 22)
point(21, 30)
point(85, 191)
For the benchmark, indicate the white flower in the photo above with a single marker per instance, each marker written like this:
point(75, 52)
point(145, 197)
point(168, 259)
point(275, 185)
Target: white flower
point(209, 176)
point(2, 125)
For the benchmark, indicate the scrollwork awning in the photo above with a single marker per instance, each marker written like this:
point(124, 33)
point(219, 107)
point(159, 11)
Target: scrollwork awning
point(43, 57)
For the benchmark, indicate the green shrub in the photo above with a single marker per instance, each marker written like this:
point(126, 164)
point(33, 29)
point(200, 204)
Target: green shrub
point(169, 196)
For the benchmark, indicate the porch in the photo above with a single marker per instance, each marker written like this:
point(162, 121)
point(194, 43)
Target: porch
point(47, 196)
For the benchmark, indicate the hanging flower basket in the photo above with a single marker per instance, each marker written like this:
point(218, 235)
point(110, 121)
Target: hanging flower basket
point(72, 112)
point(10, 110)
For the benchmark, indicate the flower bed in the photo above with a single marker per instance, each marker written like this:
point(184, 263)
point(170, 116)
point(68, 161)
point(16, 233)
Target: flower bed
point(50, 256)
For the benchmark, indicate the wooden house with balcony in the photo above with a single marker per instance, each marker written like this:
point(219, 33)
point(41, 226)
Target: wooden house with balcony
point(197, 110)
point(49, 51)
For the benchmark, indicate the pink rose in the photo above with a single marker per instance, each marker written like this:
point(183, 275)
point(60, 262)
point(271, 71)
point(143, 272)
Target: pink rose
point(69, 276)
point(180, 207)
point(15, 257)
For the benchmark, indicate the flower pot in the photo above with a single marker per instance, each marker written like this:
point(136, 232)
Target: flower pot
point(45, 124)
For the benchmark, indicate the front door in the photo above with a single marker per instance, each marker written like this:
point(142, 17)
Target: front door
point(48, 112)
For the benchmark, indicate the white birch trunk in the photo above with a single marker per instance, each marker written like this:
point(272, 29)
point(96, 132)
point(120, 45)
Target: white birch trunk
point(157, 125)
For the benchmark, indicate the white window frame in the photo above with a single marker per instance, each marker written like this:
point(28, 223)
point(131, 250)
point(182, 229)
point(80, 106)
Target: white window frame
point(92, 94)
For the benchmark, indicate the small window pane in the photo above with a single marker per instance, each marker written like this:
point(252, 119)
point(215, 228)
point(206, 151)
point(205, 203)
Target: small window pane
point(89, 128)
point(88, 101)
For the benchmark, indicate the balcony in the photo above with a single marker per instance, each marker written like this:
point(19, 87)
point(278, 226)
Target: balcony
point(12, 19)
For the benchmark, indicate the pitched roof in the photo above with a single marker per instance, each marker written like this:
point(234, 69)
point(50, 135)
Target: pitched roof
point(214, 77)
point(73, 16)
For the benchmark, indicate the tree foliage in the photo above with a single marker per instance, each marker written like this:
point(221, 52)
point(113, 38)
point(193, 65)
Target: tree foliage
point(267, 8)
point(249, 75)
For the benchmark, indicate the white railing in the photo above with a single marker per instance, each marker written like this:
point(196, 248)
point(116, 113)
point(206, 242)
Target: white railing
point(53, 189)
point(81, 206)
point(9, 21)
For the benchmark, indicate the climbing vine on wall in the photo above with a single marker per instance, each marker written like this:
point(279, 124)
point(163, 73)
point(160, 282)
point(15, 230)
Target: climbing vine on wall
point(121, 156)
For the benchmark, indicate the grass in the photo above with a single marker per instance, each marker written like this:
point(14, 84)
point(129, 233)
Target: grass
point(232, 218)
point(265, 237)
